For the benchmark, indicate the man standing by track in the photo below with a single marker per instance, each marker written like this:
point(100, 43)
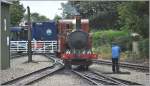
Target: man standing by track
point(115, 57)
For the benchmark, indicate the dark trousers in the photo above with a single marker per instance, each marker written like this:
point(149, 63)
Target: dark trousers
point(115, 65)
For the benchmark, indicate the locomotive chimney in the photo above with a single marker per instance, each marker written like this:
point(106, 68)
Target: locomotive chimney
point(78, 22)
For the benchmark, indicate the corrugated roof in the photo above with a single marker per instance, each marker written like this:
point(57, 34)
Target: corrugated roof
point(6, 1)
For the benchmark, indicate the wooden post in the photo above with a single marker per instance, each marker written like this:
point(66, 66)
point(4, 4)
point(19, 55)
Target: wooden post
point(29, 37)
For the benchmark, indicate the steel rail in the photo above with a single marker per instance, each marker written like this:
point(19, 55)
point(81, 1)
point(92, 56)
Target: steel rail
point(119, 81)
point(96, 81)
point(42, 75)
point(26, 75)
point(36, 75)
point(123, 64)
point(85, 77)
point(101, 79)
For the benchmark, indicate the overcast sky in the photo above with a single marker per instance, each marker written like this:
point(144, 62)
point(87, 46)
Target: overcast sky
point(46, 8)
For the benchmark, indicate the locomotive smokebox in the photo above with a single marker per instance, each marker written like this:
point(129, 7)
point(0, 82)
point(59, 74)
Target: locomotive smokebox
point(78, 40)
point(78, 22)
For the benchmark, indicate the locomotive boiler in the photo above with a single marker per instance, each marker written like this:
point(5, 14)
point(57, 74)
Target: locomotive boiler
point(75, 42)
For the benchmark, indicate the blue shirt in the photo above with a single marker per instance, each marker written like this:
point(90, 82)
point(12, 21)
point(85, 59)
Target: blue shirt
point(115, 51)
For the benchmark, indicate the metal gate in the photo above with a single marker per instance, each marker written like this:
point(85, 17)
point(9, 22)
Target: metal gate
point(37, 46)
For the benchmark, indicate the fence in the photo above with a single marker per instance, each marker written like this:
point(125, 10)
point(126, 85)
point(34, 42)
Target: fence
point(37, 46)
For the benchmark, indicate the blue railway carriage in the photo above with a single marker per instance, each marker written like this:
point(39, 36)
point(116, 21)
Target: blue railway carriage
point(44, 31)
point(45, 34)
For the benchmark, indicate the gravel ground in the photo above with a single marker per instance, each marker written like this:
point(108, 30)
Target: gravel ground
point(135, 76)
point(20, 67)
point(62, 78)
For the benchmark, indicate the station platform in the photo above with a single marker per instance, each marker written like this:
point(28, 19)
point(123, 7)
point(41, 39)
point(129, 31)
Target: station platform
point(20, 66)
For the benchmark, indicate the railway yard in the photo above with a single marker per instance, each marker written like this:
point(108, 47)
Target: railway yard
point(48, 70)
point(76, 43)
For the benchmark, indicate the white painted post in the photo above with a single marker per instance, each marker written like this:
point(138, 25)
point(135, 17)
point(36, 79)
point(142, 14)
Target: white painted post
point(26, 46)
point(44, 46)
point(135, 47)
point(17, 45)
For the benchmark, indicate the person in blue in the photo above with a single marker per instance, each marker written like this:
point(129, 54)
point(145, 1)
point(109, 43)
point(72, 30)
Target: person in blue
point(115, 57)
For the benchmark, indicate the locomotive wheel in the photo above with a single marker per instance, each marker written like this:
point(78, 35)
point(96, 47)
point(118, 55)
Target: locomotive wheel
point(67, 64)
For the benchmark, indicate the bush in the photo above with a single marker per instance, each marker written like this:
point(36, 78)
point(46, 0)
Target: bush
point(144, 48)
point(102, 42)
point(125, 43)
point(106, 37)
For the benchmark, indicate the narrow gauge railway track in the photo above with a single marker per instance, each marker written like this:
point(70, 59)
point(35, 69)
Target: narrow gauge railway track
point(100, 79)
point(123, 64)
point(36, 75)
point(54, 58)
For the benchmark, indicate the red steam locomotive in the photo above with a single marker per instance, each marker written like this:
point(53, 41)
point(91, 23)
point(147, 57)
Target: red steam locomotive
point(75, 42)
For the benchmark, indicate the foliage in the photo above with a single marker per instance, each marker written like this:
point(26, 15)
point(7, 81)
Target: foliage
point(102, 14)
point(56, 18)
point(129, 15)
point(144, 48)
point(16, 11)
point(125, 42)
point(36, 17)
point(68, 10)
point(107, 36)
point(135, 16)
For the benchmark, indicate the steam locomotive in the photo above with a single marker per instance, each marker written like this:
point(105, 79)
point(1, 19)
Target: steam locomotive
point(75, 42)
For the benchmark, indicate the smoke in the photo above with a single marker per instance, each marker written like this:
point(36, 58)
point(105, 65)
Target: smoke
point(68, 9)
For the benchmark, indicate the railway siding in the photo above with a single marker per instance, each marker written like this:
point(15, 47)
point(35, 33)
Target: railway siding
point(125, 64)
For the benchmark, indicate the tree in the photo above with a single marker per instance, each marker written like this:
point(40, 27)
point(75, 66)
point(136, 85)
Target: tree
point(17, 12)
point(102, 14)
point(36, 17)
point(68, 10)
point(56, 18)
point(135, 17)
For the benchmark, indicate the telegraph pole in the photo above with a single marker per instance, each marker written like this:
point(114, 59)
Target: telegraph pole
point(29, 37)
